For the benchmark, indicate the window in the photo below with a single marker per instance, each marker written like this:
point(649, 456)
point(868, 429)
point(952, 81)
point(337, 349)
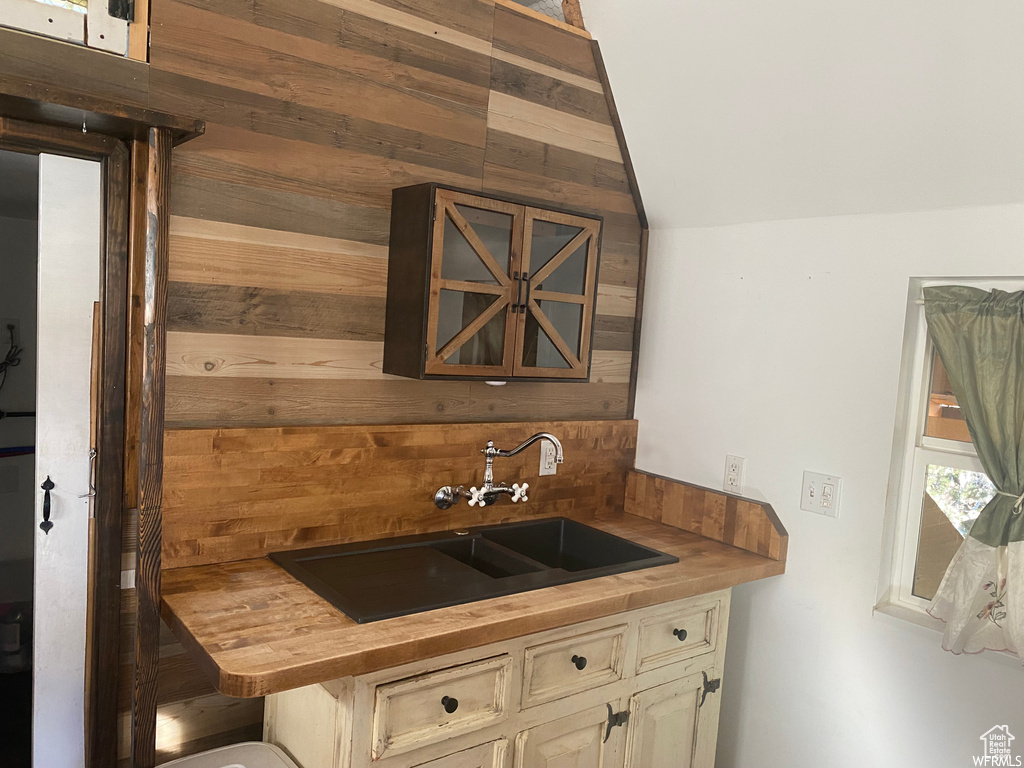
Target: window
point(937, 485)
point(89, 22)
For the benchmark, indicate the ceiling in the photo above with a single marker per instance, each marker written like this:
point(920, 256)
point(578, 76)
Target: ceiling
point(740, 110)
point(19, 185)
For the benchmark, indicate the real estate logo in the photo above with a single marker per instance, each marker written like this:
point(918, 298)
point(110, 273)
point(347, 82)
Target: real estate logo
point(998, 749)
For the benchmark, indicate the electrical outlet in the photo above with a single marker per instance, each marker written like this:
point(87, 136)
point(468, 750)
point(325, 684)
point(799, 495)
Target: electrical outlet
point(734, 474)
point(548, 464)
point(5, 333)
point(820, 494)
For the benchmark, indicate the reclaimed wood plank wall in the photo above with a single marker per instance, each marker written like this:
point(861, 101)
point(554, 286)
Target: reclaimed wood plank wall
point(315, 110)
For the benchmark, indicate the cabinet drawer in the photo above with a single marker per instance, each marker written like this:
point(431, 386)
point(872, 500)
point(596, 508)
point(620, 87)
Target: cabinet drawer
point(429, 708)
point(491, 755)
point(575, 664)
point(683, 633)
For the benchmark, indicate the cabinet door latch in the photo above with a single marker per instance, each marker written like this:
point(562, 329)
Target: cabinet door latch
point(710, 686)
point(615, 719)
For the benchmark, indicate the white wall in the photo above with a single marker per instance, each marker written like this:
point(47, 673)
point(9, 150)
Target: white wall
point(747, 110)
point(17, 301)
point(781, 342)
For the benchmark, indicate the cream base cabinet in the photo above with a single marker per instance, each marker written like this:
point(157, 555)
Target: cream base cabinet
point(577, 741)
point(674, 724)
point(634, 690)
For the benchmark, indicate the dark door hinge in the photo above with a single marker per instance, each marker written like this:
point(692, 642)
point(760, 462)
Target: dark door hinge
point(710, 686)
point(615, 719)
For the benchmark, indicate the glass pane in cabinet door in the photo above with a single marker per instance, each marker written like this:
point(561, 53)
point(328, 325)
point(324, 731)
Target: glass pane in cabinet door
point(457, 310)
point(486, 231)
point(547, 241)
point(570, 276)
point(539, 350)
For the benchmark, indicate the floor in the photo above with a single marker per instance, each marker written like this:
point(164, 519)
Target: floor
point(16, 719)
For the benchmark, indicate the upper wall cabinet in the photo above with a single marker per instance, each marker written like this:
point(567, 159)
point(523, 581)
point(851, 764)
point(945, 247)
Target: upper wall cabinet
point(486, 288)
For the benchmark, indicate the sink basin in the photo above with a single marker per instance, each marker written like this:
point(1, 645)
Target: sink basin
point(490, 560)
point(567, 545)
point(385, 578)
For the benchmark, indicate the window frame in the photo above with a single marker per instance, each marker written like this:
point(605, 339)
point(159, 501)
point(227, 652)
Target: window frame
point(913, 451)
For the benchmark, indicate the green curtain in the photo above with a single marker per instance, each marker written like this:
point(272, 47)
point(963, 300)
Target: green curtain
point(979, 336)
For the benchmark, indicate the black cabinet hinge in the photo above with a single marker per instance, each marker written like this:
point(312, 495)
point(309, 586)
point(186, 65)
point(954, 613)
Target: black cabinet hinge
point(710, 686)
point(615, 719)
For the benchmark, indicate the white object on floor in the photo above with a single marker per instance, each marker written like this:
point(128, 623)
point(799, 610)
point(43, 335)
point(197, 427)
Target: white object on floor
point(249, 754)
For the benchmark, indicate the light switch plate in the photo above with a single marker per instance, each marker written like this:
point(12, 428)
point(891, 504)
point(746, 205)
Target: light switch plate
point(548, 465)
point(820, 494)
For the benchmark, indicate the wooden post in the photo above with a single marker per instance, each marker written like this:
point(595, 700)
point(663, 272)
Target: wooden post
point(109, 441)
point(150, 450)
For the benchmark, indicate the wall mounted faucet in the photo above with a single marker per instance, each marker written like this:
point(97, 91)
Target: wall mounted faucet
point(489, 493)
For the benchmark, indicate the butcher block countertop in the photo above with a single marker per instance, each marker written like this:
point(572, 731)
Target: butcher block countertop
point(256, 630)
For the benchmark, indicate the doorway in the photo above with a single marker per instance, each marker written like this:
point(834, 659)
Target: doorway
point(19, 209)
point(49, 320)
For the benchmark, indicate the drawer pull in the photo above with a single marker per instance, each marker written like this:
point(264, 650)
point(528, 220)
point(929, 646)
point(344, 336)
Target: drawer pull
point(680, 633)
point(449, 703)
point(579, 661)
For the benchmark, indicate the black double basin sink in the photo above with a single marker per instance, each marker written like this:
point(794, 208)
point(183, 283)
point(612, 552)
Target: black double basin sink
point(382, 579)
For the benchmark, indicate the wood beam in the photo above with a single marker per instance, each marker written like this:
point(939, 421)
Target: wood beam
point(150, 449)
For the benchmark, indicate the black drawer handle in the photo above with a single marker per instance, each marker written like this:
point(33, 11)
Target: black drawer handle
point(680, 633)
point(579, 661)
point(449, 703)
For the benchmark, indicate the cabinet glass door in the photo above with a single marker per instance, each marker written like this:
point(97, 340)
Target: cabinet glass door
point(471, 290)
point(555, 313)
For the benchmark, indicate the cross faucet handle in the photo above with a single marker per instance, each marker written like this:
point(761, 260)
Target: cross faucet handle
point(519, 491)
point(477, 497)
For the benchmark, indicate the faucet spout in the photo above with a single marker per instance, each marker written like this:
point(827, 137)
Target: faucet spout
point(530, 441)
point(489, 493)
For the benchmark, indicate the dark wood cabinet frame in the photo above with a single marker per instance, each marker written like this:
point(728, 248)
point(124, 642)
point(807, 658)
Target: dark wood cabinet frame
point(418, 215)
point(135, 156)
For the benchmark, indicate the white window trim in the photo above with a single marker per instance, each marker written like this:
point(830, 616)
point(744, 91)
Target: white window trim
point(96, 28)
point(106, 32)
point(912, 452)
point(48, 20)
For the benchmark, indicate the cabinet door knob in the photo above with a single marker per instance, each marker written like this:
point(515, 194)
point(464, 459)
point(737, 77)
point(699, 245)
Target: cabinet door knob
point(579, 661)
point(449, 703)
point(680, 633)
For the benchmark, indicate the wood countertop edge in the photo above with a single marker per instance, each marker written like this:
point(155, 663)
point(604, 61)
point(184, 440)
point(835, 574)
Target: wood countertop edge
point(244, 685)
point(240, 683)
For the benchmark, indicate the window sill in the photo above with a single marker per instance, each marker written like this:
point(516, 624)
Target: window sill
point(906, 614)
point(912, 615)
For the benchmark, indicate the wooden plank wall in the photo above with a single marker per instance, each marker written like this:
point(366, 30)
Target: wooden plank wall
point(315, 110)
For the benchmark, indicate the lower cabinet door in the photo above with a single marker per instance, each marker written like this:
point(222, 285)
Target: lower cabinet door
point(576, 741)
point(490, 755)
point(669, 726)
